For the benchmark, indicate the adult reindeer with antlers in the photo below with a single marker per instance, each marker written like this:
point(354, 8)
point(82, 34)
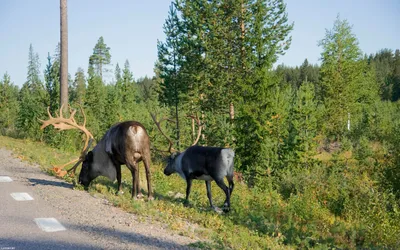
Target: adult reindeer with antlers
point(201, 163)
point(124, 143)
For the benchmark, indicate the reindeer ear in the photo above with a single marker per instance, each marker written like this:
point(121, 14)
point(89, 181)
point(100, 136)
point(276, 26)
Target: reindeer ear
point(174, 155)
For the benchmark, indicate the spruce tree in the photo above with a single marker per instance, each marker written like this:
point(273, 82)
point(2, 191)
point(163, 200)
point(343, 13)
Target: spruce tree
point(52, 79)
point(341, 73)
point(9, 105)
point(303, 120)
point(100, 58)
point(396, 76)
point(33, 100)
point(79, 87)
point(95, 97)
point(170, 60)
point(129, 92)
point(267, 38)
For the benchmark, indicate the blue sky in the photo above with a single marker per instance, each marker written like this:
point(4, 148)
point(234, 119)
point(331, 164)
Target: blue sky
point(131, 29)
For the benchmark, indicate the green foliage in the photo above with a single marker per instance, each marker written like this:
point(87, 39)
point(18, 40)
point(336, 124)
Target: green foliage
point(340, 75)
point(52, 80)
point(303, 120)
point(100, 58)
point(78, 90)
point(9, 105)
point(387, 67)
point(33, 100)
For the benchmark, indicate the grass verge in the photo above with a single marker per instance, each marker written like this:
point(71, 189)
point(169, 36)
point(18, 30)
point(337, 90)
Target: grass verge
point(325, 206)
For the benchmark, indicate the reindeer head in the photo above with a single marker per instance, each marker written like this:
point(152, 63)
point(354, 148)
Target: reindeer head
point(171, 164)
point(86, 176)
point(173, 161)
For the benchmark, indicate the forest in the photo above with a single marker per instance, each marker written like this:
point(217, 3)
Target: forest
point(317, 145)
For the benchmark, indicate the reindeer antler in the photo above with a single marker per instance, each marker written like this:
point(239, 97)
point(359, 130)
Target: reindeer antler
point(62, 123)
point(196, 118)
point(154, 117)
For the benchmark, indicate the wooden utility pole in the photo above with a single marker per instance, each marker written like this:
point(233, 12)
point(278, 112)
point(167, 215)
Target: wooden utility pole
point(64, 55)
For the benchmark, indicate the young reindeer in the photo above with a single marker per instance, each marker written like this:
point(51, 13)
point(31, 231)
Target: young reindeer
point(202, 163)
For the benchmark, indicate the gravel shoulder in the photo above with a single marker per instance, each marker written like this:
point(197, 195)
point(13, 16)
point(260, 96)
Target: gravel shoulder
point(100, 224)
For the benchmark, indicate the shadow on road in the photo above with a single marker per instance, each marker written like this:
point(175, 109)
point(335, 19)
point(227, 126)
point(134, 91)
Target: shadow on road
point(143, 241)
point(110, 238)
point(40, 244)
point(56, 183)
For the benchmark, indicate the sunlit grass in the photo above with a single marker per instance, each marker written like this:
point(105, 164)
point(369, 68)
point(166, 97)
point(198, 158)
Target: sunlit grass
point(36, 152)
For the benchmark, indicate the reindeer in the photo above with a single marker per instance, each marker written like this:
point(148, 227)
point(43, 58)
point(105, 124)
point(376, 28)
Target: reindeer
point(202, 163)
point(124, 143)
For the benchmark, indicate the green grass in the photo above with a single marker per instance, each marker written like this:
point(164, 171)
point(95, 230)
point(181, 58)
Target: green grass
point(36, 152)
point(318, 215)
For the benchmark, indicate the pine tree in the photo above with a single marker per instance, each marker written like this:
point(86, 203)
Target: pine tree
point(129, 93)
point(308, 72)
point(95, 99)
point(304, 117)
point(9, 105)
point(382, 62)
point(266, 40)
point(341, 74)
point(101, 58)
point(33, 100)
point(52, 79)
point(64, 76)
point(113, 111)
point(119, 93)
point(170, 61)
point(396, 76)
point(79, 88)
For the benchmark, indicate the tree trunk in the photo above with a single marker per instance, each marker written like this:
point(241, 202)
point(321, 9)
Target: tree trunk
point(64, 55)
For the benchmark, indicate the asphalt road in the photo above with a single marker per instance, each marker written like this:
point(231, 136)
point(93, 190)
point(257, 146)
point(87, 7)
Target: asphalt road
point(86, 222)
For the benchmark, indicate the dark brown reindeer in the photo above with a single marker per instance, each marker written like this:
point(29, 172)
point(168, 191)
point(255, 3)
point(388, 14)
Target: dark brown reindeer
point(202, 163)
point(124, 143)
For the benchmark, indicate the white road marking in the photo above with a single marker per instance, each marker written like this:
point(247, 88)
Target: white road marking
point(21, 196)
point(49, 224)
point(5, 179)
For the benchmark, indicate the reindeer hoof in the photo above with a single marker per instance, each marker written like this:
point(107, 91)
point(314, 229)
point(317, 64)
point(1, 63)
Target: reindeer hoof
point(151, 198)
point(139, 196)
point(218, 210)
point(120, 192)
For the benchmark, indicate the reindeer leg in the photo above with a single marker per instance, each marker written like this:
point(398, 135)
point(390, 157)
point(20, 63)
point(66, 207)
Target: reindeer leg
point(231, 185)
point(148, 177)
point(227, 202)
point(139, 194)
point(208, 186)
point(188, 187)
point(118, 167)
point(134, 171)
